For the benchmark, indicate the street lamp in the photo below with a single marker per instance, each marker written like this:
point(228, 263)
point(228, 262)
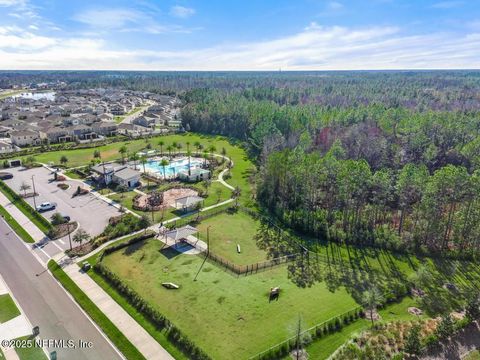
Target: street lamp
point(208, 240)
point(34, 193)
point(69, 236)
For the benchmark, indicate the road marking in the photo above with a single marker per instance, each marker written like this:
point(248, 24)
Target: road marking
point(58, 247)
point(43, 251)
point(61, 241)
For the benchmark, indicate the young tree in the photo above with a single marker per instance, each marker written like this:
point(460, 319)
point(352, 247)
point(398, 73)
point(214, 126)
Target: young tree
point(161, 143)
point(218, 192)
point(169, 149)
point(473, 307)
point(413, 345)
point(63, 160)
point(206, 184)
point(123, 151)
point(188, 146)
point(445, 328)
point(24, 187)
point(58, 219)
point(164, 163)
point(371, 300)
point(97, 154)
point(134, 157)
point(81, 236)
point(197, 146)
point(144, 223)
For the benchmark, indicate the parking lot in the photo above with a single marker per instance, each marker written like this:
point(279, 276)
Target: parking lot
point(91, 212)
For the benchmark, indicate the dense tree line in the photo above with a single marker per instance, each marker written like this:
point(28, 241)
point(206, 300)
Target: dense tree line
point(370, 172)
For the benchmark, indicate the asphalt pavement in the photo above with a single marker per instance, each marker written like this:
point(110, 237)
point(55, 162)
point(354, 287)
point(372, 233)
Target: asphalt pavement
point(46, 304)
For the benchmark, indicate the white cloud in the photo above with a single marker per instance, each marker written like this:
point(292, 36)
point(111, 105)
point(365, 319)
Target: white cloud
point(12, 2)
point(181, 11)
point(314, 48)
point(335, 5)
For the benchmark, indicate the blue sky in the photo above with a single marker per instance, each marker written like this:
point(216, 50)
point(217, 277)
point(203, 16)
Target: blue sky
point(239, 35)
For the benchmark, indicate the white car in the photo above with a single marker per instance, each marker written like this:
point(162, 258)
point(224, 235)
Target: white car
point(46, 206)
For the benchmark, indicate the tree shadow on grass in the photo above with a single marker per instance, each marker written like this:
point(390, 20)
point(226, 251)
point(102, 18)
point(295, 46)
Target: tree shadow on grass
point(133, 248)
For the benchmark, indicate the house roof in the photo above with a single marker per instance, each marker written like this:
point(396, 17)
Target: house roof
point(126, 173)
point(109, 168)
point(181, 233)
point(188, 200)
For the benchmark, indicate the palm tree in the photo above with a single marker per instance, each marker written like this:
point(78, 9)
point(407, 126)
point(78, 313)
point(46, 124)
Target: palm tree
point(163, 164)
point(179, 147)
point(134, 158)
point(81, 236)
point(143, 161)
point(96, 154)
point(212, 149)
point(24, 187)
point(371, 300)
point(174, 145)
point(161, 143)
point(189, 170)
point(169, 149)
point(205, 157)
point(123, 150)
point(197, 146)
point(188, 146)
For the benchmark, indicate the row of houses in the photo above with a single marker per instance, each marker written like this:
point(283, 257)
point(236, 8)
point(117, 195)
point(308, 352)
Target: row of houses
point(78, 115)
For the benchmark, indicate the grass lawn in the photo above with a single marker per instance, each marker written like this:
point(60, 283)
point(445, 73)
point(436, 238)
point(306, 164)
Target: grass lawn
point(474, 355)
point(8, 309)
point(2, 357)
point(19, 230)
point(234, 312)
point(229, 229)
point(73, 175)
point(30, 353)
point(241, 171)
point(115, 335)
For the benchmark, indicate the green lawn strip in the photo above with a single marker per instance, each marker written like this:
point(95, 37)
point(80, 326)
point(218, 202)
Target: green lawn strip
point(42, 223)
point(326, 346)
point(30, 352)
point(115, 335)
point(228, 229)
point(234, 311)
point(474, 355)
point(19, 230)
point(8, 309)
point(73, 175)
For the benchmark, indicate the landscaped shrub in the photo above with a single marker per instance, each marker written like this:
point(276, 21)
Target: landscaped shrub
point(161, 322)
point(122, 225)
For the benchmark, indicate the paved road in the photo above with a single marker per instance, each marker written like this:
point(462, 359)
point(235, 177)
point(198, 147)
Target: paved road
point(45, 303)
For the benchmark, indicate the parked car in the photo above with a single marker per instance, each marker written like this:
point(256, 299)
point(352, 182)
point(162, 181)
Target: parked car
point(46, 206)
point(66, 218)
point(5, 176)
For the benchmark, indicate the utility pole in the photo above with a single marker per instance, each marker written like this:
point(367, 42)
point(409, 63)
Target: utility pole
point(208, 240)
point(69, 237)
point(34, 193)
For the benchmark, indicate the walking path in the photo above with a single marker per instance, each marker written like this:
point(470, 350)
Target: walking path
point(137, 335)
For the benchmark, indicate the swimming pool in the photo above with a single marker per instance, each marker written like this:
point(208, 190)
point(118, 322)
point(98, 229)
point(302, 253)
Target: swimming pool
point(173, 168)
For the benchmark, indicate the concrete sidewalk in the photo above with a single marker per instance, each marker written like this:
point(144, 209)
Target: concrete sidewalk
point(25, 222)
point(140, 338)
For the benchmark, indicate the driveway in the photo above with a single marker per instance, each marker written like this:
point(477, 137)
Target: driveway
point(91, 212)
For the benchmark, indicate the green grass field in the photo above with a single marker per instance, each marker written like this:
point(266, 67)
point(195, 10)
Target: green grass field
point(234, 312)
point(8, 309)
point(229, 229)
point(30, 353)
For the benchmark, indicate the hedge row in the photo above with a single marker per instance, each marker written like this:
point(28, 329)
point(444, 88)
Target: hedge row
point(122, 245)
point(329, 327)
point(158, 320)
point(42, 223)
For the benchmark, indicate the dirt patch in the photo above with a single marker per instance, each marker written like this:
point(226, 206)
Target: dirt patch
point(415, 311)
point(169, 197)
point(369, 314)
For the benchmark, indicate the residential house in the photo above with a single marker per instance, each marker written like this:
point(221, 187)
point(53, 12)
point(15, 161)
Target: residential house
point(117, 174)
point(25, 138)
